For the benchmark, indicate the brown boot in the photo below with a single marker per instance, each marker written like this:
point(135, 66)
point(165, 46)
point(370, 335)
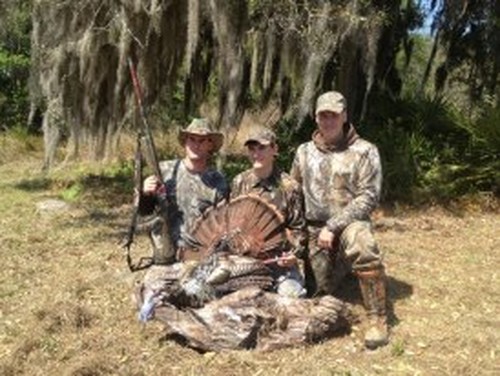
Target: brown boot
point(372, 284)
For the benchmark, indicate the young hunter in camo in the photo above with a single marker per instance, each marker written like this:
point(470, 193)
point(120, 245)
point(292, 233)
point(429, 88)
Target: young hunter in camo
point(341, 177)
point(278, 188)
point(192, 186)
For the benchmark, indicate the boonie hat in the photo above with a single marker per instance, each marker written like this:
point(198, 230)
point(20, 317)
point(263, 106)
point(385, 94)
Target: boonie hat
point(263, 136)
point(202, 127)
point(331, 101)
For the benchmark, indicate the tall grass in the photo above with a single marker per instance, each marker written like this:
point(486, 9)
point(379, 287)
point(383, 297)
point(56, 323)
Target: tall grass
point(16, 142)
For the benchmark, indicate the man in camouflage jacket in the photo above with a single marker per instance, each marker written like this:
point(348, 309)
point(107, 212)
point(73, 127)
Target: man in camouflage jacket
point(192, 186)
point(341, 177)
point(278, 188)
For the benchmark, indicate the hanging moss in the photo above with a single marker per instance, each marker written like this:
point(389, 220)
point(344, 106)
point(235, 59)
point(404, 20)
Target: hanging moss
point(216, 52)
point(81, 61)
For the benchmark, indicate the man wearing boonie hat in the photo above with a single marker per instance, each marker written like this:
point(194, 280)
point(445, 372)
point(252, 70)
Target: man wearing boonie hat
point(266, 180)
point(192, 186)
point(341, 177)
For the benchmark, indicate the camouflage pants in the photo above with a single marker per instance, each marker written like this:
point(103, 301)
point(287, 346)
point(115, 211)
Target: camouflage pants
point(354, 250)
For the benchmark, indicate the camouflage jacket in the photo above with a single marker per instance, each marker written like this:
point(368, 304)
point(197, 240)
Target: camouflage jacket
point(342, 183)
point(191, 194)
point(284, 193)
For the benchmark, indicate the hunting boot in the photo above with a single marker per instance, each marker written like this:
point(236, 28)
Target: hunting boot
point(163, 249)
point(372, 284)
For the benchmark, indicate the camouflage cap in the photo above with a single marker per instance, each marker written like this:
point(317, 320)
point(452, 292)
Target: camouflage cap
point(263, 136)
point(202, 127)
point(331, 101)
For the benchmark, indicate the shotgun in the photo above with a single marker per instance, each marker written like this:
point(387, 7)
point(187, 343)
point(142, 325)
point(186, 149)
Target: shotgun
point(145, 138)
point(145, 131)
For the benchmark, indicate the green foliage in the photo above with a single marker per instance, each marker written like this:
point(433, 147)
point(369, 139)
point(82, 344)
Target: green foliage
point(486, 130)
point(14, 96)
point(470, 38)
point(398, 348)
point(15, 63)
point(411, 62)
point(430, 150)
point(119, 170)
point(73, 192)
point(122, 174)
point(233, 165)
point(171, 109)
point(397, 152)
point(290, 136)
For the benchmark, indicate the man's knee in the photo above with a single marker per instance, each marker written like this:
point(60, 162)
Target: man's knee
point(359, 246)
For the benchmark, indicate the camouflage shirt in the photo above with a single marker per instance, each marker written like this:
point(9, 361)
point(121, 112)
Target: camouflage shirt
point(284, 193)
point(341, 184)
point(192, 193)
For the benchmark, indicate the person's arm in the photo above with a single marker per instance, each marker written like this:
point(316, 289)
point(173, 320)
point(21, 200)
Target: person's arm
point(150, 185)
point(296, 223)
point(148, 201)
point(297, 217)
point(367, 195)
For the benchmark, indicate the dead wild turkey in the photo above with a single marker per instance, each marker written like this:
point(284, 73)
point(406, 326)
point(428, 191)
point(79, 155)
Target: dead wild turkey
point(246, 318)
point(215, 298)
point(251, 318)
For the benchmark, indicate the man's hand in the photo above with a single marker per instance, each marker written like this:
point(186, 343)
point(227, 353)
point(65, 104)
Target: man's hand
point(150, 185)
point(326, 238)
point(287, 260)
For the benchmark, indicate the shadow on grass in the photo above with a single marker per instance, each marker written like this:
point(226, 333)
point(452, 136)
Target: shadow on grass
point(107, 223)
point(98, 190)
point(107, 191)
point(35, 184)
point(396, 290)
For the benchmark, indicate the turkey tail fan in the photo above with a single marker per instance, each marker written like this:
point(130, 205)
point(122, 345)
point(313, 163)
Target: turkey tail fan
point(247, 225)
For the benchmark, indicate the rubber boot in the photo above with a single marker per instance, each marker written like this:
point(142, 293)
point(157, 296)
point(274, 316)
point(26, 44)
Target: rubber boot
point(372, 284)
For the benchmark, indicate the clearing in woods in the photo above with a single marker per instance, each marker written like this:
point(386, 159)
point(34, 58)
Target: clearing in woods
point(66, 309)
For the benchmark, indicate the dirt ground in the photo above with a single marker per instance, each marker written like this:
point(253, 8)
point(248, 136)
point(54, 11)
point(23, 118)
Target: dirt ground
point(66, 309)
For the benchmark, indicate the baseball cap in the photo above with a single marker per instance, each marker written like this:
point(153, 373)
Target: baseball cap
point(331, 101)
point(263, 136)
